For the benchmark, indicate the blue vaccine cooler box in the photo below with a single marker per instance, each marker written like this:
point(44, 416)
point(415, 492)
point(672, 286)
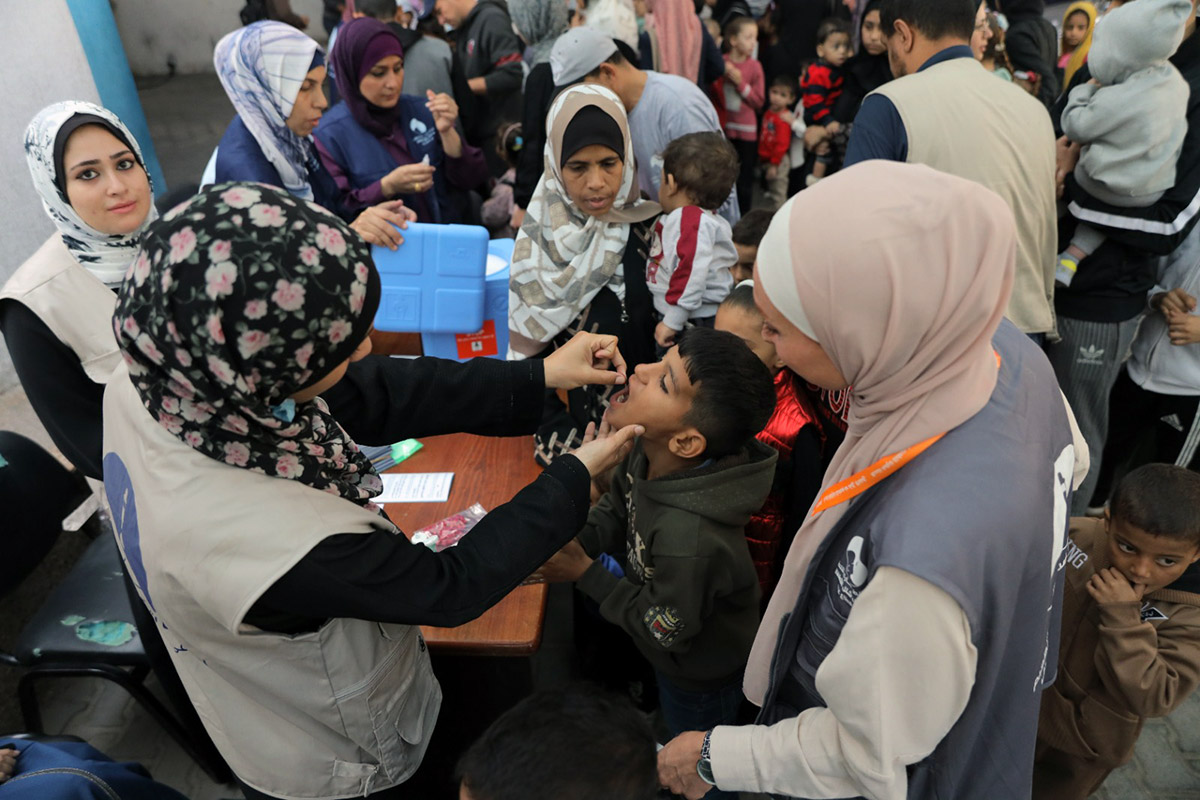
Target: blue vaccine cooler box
point(491, 338)
point(434, 282)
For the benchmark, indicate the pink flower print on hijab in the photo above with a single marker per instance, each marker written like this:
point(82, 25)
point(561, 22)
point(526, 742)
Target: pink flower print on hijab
point(271, 295)
point(288, 296)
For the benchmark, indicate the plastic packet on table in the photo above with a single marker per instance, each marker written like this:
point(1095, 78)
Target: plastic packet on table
point(447, 532)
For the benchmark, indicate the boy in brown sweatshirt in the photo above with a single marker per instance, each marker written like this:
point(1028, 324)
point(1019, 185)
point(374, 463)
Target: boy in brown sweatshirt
point(1130, 645)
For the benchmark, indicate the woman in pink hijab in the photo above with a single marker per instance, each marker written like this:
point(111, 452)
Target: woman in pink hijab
point(904, 651)
point(675, 37)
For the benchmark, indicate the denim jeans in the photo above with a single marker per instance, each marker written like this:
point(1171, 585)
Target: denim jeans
point(699, 711)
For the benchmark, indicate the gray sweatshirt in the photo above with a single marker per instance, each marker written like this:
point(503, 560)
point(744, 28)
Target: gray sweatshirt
point(1132, 125)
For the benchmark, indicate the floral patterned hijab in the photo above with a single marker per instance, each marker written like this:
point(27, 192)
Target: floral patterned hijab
point(238, 299)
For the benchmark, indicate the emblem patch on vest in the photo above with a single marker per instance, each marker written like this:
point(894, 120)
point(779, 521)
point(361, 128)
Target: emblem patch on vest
point(1151, 614)
point(422, 133)
point(119, 489)
point(852, 572)
point(664, 623)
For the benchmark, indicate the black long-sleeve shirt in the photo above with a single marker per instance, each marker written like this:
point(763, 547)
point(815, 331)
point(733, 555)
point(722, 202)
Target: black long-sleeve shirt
point(381, 576)
point(68, 402)
point(539, 94)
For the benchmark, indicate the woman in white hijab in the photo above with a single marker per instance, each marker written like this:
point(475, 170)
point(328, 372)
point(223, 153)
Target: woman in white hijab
point(580, 257)
point(56, 310)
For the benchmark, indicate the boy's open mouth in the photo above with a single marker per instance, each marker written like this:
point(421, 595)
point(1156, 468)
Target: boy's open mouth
point(620, 397)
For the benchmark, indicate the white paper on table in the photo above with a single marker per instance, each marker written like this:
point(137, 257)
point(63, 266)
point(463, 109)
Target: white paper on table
point(416, 487)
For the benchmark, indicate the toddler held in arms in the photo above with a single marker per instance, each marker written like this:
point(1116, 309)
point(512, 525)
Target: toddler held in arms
point(692, 248)
point(820, 88)
point(1130, 118)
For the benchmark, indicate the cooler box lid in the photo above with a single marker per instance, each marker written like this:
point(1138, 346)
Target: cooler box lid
point(434, 282)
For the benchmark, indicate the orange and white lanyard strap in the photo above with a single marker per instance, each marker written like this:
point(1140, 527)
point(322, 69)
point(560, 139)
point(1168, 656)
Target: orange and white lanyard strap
point(860, 481)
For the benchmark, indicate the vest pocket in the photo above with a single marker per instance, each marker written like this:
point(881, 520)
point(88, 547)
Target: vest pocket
point(399, 704)
point(384, 711)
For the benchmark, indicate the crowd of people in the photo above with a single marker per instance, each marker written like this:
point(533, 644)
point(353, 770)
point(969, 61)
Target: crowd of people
point(858, 341)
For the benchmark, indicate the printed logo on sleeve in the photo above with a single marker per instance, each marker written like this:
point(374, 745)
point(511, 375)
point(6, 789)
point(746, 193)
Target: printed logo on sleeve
point(664, 623)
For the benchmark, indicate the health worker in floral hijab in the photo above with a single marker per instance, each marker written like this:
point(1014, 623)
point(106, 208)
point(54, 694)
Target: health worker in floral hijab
point(244, 507)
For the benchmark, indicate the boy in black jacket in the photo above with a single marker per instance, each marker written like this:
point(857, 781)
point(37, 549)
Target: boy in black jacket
point(682, 583)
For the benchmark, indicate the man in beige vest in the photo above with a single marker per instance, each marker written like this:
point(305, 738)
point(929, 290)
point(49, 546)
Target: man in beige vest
point(946, 111)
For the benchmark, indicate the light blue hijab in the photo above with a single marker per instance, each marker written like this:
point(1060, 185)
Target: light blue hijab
point(262, 67)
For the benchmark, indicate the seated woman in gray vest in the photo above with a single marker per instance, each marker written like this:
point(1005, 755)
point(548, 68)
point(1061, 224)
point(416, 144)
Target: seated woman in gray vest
point(56, 309)
point(273, 75)
point(244, 509)
point(919, 599)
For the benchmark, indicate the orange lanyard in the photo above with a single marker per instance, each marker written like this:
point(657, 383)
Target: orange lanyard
point(860, 481)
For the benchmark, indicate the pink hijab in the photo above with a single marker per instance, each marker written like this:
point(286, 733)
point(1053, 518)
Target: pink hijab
point(675, 35)
point(902, 274)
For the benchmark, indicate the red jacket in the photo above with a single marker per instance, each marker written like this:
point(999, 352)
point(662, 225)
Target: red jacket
point(798, 476)
point(820, 88)
point(775, 138)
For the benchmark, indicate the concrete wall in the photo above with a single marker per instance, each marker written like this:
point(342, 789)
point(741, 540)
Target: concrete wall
point(187, 30)
point(45, 64)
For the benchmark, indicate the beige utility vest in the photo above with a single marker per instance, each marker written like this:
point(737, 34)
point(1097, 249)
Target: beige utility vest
point(958, 120)
point(75, 305)
point(336, 713)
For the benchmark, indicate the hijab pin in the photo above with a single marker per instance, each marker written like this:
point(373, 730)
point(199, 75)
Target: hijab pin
point(285, 411)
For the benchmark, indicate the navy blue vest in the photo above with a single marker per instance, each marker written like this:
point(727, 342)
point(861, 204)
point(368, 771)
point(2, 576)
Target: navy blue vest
point(365, 159)
point(239, 158)
point(981, 514)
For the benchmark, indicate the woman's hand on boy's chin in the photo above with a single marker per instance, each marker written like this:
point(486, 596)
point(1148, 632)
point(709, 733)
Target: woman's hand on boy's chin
point(599, 455)
point(588, 358)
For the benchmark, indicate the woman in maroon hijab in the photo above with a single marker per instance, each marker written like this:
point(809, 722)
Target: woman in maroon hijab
point(379, 144)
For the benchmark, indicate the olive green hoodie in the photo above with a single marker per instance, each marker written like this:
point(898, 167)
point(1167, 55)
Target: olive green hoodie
point(690, 594)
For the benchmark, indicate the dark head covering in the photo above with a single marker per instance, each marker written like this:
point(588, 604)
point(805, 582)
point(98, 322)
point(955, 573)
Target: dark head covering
point(237, 300)
point(75, 123)
point(360, 44)
point(591, 126)
point(869, 72)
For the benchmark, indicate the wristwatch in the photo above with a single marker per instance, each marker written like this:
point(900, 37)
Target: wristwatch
point(704, 765)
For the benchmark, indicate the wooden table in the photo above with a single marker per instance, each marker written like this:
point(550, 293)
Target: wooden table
point(488, 471)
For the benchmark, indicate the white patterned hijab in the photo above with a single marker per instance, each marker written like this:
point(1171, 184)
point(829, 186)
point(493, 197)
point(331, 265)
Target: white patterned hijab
point(564, 256)
point(104, 255)
point(262, 67)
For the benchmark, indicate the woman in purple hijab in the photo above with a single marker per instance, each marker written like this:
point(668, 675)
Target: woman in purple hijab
point(379, 144)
